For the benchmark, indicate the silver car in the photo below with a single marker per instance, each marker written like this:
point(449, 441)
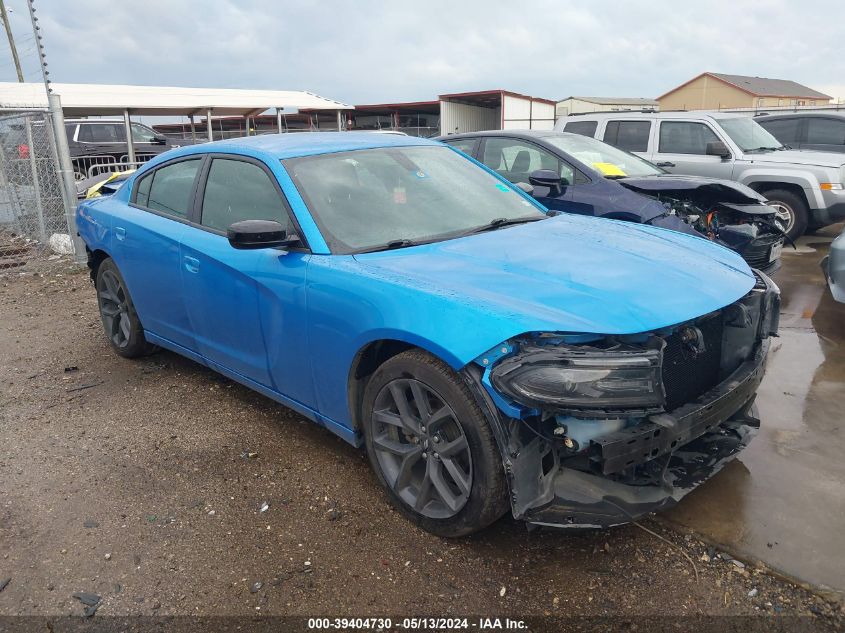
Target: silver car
point(806, 187)
point(833, 266)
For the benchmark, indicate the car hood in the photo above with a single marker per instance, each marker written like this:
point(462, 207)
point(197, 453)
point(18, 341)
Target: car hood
point(717, 189)
point(798, 157)
point(566, 274)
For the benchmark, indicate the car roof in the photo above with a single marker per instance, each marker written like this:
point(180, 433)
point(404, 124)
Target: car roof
point(808, 115)
point(630, 114)
point(508, 133)
point(296, 144)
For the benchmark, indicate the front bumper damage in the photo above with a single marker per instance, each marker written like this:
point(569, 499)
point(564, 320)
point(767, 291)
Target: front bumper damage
point(628, 472)
point(683, 450)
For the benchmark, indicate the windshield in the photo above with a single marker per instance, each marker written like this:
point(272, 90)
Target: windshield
point(748, 134)
point(367, 199)
point(606, 159)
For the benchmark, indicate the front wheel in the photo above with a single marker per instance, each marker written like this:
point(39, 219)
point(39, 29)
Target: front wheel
point(791, 213)
point(431, 447)
point(120, 321)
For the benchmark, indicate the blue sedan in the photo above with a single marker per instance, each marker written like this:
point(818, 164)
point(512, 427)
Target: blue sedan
point(490, 357)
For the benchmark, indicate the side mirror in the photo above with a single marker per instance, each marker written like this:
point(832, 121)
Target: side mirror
point(254, 234)
point(717, 148)
point(158, 139)
point(546, 178)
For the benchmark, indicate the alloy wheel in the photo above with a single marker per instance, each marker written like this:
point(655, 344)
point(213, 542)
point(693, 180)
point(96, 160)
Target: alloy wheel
point(784, 215)
point(114, 308)
point(421, 448)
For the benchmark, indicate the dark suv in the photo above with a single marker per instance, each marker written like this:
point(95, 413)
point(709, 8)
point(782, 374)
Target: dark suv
point(96, 143)
point(823, 131)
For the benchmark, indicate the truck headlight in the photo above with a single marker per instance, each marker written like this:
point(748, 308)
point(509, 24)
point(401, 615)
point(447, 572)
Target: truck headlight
point(571, 378)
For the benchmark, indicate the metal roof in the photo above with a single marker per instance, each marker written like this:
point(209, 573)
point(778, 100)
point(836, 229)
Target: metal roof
point(105, 99)
point(616, 100)
point(761, 86)
point(283, 146)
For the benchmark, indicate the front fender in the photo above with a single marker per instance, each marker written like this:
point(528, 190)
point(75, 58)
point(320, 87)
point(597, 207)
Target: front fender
point(805, 179)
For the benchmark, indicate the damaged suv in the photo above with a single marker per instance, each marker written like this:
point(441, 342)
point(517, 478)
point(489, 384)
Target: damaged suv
point(576, 174)
point(489, 356)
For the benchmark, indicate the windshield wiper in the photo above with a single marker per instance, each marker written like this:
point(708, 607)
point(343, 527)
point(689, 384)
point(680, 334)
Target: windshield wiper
point(763, 149)
point(392, 245)
point(500, 222)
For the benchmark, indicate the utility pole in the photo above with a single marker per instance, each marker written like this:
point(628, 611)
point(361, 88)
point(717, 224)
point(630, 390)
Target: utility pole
point(9, 35)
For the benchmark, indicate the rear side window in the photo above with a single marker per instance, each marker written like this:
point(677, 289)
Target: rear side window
point(237, 190)
point(102, 133)
point(631, 136)
point(685, 137)
point(584, 128)
point(784, 130)
point(826, 131)
point(168, 189)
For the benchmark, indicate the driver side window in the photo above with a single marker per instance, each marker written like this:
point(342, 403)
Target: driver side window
point(237, 190)
point(515, 160)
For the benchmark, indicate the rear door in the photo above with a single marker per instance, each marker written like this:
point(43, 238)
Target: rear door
point(682, 149)
point(632, 136)
point(146, 247)
point(225, 288)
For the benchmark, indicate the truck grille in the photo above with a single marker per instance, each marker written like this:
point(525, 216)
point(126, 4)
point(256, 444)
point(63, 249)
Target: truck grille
point(685, 378)
point(756, 253)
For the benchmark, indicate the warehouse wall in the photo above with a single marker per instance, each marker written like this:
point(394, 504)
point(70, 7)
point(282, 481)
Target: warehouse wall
point(524, 114)
point(461, 117)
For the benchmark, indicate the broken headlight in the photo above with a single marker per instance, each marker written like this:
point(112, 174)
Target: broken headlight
point(578, 378)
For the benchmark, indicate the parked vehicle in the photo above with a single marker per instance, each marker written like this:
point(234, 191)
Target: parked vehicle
point(576, 174)
point(101, 144)
point(578, 371)
point(821, 131)
point(833, 266)
point(806, 188)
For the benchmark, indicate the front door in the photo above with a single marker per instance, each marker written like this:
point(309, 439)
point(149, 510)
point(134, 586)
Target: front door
point(682, 149)
point(225, 288)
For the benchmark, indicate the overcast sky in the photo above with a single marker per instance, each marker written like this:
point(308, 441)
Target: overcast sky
point(370, 52)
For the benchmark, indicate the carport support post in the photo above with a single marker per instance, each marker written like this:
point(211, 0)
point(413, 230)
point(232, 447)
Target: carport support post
point(339, 121)
point(193, 129)
point(66, 173)
point(208, 124)
point(130, 144)
point(36, 184)
point(279, 119)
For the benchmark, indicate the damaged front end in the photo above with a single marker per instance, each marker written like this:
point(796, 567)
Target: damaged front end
point(741, 221)
point(598, 430)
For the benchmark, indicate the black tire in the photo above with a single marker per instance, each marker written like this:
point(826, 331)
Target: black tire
point(412, 372)
point(117, 312)
point(793, 213)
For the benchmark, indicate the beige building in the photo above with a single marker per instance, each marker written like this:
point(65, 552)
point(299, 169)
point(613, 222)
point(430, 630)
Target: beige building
point(580, 105)
point(714, 91)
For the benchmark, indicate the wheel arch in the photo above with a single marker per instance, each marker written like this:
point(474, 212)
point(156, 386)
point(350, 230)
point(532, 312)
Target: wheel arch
point(95, 258)
point(763, 186)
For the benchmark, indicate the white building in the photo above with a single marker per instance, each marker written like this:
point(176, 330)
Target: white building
point(578, 105)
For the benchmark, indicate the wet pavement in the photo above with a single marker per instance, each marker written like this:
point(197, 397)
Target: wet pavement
point(783, 500)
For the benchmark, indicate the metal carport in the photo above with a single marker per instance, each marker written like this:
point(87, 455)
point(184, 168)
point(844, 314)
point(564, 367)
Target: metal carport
point(83, 100)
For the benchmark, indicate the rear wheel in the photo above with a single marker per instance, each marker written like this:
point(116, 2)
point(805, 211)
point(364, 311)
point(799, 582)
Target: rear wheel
point(117, 312)
point(431, 447)
point(791, 212)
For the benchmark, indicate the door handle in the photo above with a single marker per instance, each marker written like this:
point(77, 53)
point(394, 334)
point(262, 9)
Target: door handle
point(120, 233)
point(192, 264)
point(665, 163)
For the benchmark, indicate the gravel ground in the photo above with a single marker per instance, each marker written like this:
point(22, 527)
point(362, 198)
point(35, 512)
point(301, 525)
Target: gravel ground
point(145, 483)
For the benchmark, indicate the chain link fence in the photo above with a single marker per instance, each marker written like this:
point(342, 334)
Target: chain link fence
point(32, 206)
